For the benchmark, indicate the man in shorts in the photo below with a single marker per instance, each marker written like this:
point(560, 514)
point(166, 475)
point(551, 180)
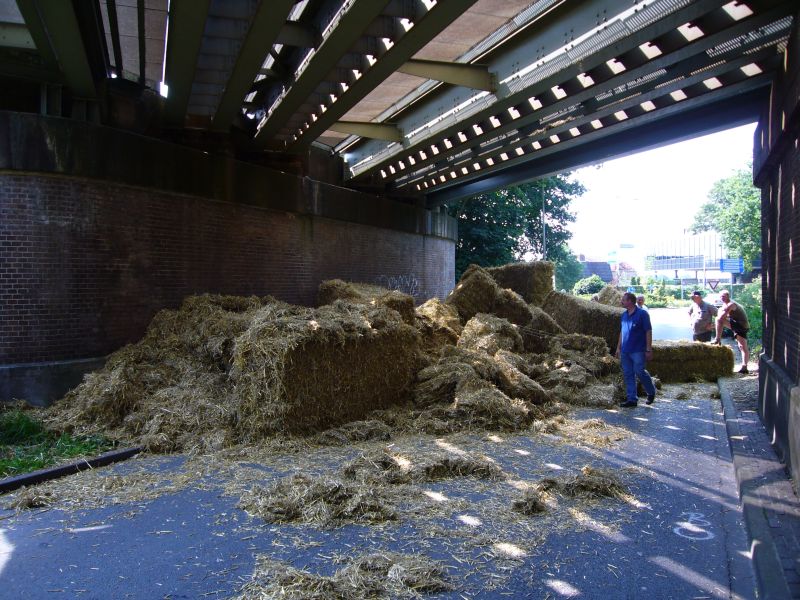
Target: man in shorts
point(732, 316)
point(700, 316)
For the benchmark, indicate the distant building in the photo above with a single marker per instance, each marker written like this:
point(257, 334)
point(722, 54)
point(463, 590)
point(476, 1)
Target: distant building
point(600, 268)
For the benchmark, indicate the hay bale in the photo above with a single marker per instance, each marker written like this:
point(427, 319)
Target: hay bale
point(474, 293)
point(205, 377)
point(531, 280)
point(515, 383)
point(684, 361)
point(609, 295)
point(576, 315)
point(509, 305)
point(364, 293)
point(538, 332)
point(487, 333)
point(302, 370)
point(438, 324)
point(479, 404)
point(437, 384)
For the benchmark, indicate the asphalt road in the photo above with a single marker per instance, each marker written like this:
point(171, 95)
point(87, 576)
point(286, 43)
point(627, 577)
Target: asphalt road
point(670, 324)
point(678, 535)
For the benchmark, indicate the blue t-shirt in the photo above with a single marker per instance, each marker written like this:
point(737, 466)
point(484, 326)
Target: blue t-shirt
point(634, 330)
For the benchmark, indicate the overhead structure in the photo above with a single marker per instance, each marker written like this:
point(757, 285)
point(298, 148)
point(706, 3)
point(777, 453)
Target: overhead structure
point(418, 99)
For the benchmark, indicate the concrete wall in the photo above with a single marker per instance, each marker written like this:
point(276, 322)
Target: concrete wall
point(777, 173)
point(87, 257)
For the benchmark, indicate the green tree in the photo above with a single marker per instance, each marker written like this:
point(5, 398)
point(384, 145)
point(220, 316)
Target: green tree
point(568, 271)
point(750, 299)
point(589, 285)
point(734, 210)
point(503, 226)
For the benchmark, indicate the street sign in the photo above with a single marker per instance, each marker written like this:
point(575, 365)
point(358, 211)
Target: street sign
point(713, 283)
point(731, 265)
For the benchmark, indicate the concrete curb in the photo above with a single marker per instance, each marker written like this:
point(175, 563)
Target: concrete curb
point(770, 579)
point(12, 483)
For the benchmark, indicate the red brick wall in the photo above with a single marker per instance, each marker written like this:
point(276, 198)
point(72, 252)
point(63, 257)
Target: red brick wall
point(84, 265)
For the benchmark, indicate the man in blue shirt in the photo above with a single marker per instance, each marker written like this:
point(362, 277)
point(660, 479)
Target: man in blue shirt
point(634, 349)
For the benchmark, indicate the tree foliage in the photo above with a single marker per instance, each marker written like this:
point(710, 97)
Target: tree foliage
point(568, 271)
point(589, 285)
point(734, 210)
point(503, 226)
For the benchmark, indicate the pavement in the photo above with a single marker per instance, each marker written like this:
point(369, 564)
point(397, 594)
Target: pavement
point(710, 513)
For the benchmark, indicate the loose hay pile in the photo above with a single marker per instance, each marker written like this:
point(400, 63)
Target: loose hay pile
point(224, 370)
point(378, 575)
point(589, 484)
point(679, 362)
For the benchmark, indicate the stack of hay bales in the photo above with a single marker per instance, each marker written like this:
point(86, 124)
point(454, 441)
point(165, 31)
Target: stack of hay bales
point(684, 361)
point(222, 370)
point(576, 315)
point(531, 280)
point(609, 295)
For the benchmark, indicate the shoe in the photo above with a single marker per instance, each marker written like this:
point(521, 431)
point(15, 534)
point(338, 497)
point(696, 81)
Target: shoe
point(651, 399)
point(629, 404)
point(743, 370)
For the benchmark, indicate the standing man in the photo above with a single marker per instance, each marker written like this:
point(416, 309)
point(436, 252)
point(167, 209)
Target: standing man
point(640, 302)
point(634, 348)
point(700, 314)
point(733, 317)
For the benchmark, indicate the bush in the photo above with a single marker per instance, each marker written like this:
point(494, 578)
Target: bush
point(750, 299)
point(589, 285)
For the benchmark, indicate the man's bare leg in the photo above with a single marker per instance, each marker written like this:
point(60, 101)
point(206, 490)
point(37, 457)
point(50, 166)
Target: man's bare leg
point(742, 341)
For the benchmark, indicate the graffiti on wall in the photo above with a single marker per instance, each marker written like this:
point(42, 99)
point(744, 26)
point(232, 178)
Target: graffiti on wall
point(407, 284)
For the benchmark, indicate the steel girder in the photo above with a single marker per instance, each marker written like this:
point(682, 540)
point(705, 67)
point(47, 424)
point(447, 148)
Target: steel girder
point(344, 34)
point(566, 70)
point(187, 20)
point(424, 30)
point(267, 23)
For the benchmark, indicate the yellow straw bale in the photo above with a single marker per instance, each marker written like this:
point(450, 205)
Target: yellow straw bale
point(365, 293)
point(576, 315)
point(609, 295)
point(438, 324)
point(489, 334)
point(515, 384)
point(474, 293)
point(538, 333)
point(531, 280)
point(683, 361)
point(509, 305)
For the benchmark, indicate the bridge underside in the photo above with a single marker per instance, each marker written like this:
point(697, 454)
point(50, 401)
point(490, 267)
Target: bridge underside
point(417, 100)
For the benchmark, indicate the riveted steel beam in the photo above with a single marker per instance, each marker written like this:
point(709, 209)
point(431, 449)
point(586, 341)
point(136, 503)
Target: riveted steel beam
point(264, 29)
point(570, 63)
point(344, 34)
point(423, 31)
point(187, 19)
point(54, 27)
point(476, 77)
point(715, 113)
point(378, 131)
point(683, 61)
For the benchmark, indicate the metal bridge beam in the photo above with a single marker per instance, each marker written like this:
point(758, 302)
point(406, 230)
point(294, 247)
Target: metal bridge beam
point(476, 77)
point(716, 114)
point(187, 21)
point(377, 131)
point(344, 34)
point(266, 24)
point(423, 31)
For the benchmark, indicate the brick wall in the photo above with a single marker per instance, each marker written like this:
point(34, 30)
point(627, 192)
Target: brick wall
point(85, 265)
